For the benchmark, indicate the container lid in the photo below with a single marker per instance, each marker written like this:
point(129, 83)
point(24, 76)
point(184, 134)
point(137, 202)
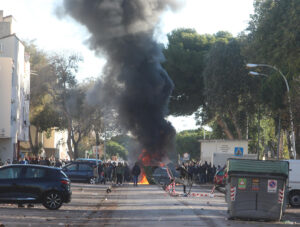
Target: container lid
point(258, 166)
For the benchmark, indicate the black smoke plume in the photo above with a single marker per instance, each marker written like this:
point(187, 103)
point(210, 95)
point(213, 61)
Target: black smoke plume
point(122, 31)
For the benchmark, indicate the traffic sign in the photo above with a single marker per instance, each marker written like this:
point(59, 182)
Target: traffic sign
point(272, 186)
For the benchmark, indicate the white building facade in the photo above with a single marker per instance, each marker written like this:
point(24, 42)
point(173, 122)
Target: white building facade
point(14, 90)
point(216, 152)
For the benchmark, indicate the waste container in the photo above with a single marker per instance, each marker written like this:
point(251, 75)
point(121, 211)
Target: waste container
point(256, 189)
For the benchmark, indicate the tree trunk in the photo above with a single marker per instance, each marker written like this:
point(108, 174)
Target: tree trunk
point(75, 150)
point(76, 143)
point(225, 128)
point(236, 125)
point(34, 147)
point(30, 139)
point(69, 143)
point(97, 138)
point(69, 139)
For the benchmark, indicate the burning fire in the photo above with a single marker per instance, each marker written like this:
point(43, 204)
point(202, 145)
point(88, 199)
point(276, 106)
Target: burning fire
point(145, 158)
point(143, 179)
point(146, 161)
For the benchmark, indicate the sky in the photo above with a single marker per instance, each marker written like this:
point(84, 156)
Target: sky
point(36, 20)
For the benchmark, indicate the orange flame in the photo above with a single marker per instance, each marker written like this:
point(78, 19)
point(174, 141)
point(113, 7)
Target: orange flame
point(146, 161)
point(144, 179)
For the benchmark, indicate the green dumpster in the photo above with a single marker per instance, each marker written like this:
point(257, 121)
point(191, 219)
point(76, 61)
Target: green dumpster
point(256, 189)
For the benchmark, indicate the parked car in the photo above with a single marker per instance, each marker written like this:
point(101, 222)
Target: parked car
point(220, 177)
point(21, 184)
point(80, 171)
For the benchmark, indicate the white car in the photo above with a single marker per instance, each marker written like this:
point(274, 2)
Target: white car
point(294, 183)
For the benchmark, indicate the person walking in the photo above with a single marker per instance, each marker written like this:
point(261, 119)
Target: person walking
point(136, 171)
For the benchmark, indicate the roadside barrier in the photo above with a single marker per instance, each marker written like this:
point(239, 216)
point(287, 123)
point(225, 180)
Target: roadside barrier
point(232, 193)
point(171, 190)
point(202, 195)
point(280, 196)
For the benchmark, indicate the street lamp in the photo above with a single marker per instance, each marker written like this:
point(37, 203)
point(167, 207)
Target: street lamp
point(250, 65)
point(257, 74)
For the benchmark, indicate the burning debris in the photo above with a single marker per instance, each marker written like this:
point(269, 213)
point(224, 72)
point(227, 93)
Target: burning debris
point(134, 80)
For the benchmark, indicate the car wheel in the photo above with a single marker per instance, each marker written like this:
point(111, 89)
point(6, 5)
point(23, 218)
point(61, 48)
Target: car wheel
point(92, 180)
point(52, 200)
point(295, 199)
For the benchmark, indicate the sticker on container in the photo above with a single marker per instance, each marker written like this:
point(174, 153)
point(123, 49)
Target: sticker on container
point(272, 186)
point(242, 183)
point(255, 184)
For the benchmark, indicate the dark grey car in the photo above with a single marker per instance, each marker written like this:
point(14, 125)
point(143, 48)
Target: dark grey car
point(80, 172)
point(21, 184)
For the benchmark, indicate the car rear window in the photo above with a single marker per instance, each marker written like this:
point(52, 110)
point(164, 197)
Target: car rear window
point(62, 174)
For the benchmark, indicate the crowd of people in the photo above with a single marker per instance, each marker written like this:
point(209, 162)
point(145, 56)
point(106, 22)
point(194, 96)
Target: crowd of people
point(117, 173)
point(120, 172)
point(200, 173)
point(38, 160)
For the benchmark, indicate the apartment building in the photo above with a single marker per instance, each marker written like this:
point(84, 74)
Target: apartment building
point(14, 90)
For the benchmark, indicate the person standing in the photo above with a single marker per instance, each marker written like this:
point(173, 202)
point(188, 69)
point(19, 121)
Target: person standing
point(23, 161)
point(184, 176)
point(95, 173)
point(58, 163)
point(8, 162)
point(120, 173)
point(114, 173)
point(126, 173)
point(136, 171)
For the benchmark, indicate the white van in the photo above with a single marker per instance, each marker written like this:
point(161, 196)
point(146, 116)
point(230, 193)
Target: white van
point(294, 183)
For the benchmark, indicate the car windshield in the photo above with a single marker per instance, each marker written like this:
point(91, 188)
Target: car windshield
point(71, 167)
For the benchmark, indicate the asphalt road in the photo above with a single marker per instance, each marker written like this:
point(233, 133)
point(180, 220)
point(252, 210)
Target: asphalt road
point(145, 205)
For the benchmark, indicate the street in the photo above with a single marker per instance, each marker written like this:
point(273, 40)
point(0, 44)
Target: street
point(145, 205)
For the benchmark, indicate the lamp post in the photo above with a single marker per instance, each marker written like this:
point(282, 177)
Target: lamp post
point(250, 65)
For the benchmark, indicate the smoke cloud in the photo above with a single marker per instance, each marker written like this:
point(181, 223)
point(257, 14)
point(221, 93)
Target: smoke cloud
point(134, 81)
